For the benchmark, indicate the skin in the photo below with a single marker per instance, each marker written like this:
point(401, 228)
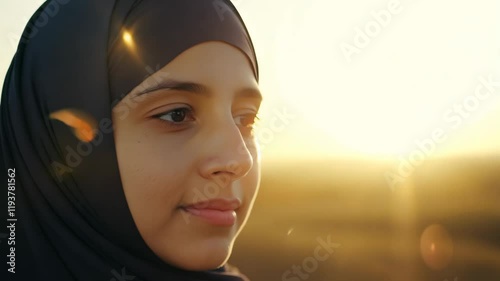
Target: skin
point(170, 157)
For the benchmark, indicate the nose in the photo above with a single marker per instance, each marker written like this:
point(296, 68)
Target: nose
point(225, 155)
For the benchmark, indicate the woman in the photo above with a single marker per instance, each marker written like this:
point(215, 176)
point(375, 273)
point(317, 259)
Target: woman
point(127, 129)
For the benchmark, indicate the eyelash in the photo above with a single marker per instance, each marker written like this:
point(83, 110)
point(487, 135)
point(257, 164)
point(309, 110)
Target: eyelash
point(190, 112)
point(173, 123)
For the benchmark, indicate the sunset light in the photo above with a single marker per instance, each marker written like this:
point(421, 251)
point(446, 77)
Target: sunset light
point(371, 153)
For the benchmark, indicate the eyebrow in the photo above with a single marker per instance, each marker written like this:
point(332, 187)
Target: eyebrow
point(196, 88)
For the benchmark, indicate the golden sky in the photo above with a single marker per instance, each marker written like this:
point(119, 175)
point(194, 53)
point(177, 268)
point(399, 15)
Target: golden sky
point(363, 78)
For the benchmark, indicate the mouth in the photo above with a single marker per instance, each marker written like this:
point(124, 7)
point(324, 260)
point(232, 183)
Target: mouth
point(218, 212)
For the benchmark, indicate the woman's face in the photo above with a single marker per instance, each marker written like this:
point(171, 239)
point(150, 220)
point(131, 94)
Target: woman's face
point(188, 160)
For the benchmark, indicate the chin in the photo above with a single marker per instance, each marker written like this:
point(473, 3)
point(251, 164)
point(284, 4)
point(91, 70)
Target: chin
point(205, 265)
point(210, 255)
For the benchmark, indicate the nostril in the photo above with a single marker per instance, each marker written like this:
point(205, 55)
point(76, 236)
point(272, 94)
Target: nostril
point(234, 167)
point(224, 177)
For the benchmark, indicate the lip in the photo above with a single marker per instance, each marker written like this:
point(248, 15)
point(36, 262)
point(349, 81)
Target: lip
point(218, 212)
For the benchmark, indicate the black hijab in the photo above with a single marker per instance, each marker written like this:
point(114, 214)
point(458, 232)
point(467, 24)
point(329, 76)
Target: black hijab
point(71, 217)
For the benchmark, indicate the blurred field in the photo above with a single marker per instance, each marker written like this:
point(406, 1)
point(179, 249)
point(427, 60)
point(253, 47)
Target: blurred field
point(378, 228)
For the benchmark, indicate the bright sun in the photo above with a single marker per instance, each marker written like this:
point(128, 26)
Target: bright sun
point(397, 88)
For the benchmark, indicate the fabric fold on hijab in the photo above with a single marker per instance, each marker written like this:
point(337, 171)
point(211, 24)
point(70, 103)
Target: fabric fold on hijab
point(73, 222)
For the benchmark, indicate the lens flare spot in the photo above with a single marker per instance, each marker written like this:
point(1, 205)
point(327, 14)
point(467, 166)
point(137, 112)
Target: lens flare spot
point(83, 125)
point(436, 247)
point(127, 38)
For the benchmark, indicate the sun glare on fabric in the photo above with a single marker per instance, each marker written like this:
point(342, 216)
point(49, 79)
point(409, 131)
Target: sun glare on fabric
point(82, 124)
point(127, 38)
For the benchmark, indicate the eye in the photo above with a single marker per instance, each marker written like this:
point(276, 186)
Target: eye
point(177, 116)
point(246, 120)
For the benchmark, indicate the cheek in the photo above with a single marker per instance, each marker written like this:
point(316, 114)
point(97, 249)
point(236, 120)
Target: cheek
point(249, 187)
point(253, 147)
point(250, 183)
point(251, 180)
point(152, 178)
point(150, 163)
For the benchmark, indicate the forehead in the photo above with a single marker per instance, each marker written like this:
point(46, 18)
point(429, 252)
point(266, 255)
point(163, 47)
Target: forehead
point(207, 67)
